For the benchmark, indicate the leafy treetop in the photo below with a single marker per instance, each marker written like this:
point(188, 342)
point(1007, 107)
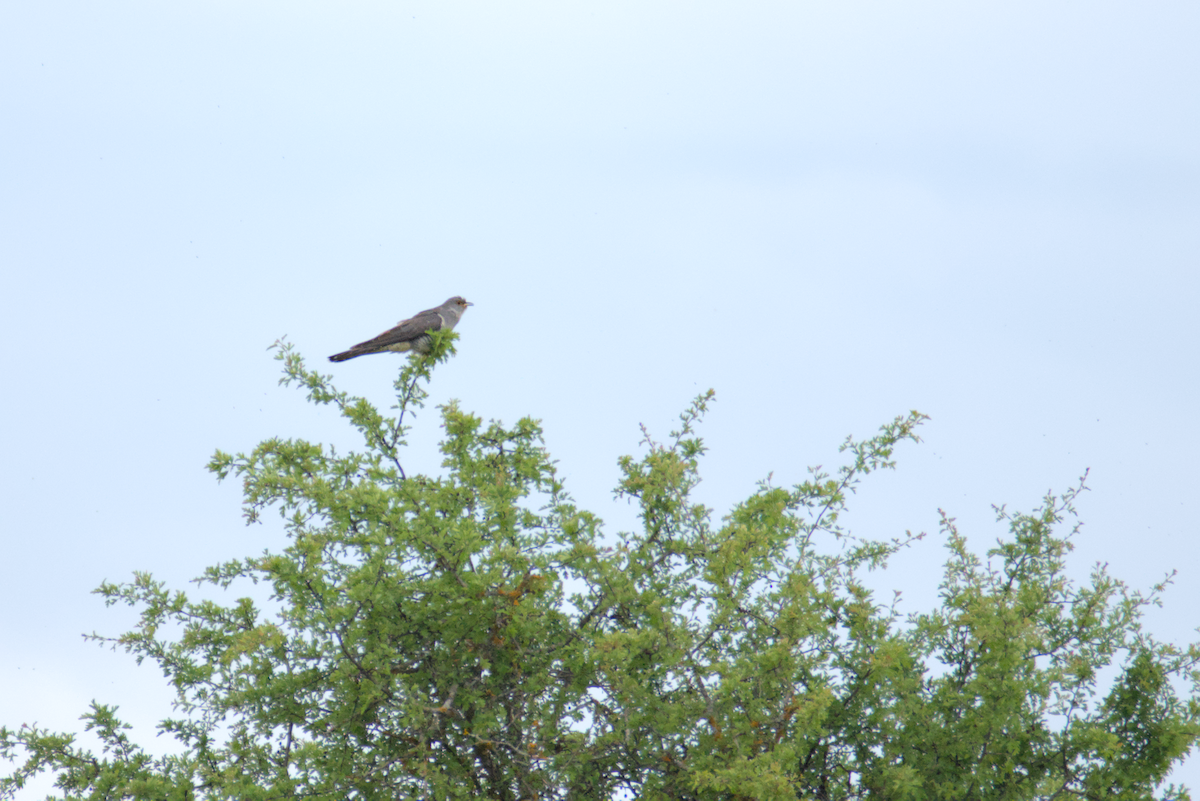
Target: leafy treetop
point(477, 635)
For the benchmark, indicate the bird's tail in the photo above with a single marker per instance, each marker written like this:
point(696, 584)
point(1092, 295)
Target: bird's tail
point(347, 354)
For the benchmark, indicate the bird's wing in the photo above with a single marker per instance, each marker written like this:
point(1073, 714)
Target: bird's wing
point(405, 330)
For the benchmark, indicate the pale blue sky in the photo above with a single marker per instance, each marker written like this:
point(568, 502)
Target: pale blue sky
point(830, 213)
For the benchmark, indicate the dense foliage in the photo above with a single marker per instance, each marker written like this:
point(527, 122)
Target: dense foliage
point(476, 635)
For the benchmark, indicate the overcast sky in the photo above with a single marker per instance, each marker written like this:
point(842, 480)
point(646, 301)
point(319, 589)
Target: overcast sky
point(829, 213)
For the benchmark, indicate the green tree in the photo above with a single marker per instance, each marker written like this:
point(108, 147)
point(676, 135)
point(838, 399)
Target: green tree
point(476, 635)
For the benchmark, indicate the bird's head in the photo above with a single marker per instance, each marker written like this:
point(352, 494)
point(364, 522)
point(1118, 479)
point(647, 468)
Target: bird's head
point(458, 303)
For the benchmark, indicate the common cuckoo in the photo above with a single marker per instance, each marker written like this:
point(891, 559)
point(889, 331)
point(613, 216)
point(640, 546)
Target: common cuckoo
point(411, 334)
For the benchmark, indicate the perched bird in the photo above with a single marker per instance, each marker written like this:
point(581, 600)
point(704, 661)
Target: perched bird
point(410, 334)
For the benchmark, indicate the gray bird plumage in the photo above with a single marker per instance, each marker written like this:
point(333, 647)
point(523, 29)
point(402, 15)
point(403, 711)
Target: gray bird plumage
point(411, 334)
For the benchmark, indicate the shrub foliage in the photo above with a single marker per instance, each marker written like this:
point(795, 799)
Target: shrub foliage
point(476, 634)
